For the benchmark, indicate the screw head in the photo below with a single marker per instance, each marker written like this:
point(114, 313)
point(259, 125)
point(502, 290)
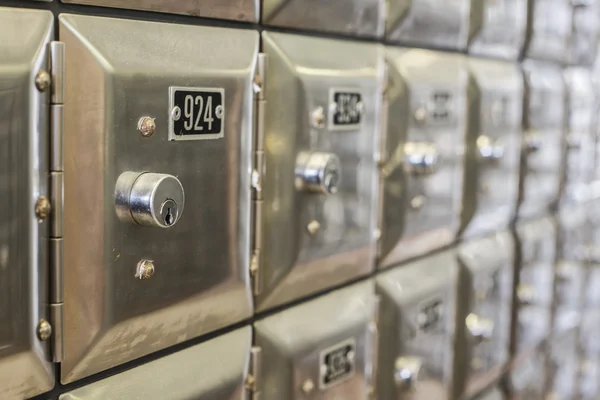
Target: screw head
point(313, 227)
point(308, 386)
point(146, 126)
point(145, 269)
point(42, 208)
point(42, 80)
point(317, 118)
point(176, 113)
point(44, 330)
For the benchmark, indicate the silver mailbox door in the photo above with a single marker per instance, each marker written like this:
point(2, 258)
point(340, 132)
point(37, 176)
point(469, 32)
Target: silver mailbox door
point(528, 376)
point(214, 370)
point(119, 71)
point(24, 149)
point(493, 147)
point(487, 287)
point(355, 17)
point(497, 28)
point(322, 349)
point(314, 239)
point(549, 31)
point(423, 151)
point(563, 366)
point(242, 10)
point(545, 113)
point(417, 321)
point(428, 23)
point(580, 137)
point(583, 43)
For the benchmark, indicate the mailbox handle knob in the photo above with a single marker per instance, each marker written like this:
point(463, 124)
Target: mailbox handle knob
point(480, 328)
point(318, 172)
point(532, 143)
point(488, 149)
point(149, 199)
point(420, 158)
point(406, 371)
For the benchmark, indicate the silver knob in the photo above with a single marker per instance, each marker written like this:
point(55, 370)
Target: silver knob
point(149, 199)
point(406, 372)
point(480, 328)
point(318, 172)
point(488, 149)
point(420, 158)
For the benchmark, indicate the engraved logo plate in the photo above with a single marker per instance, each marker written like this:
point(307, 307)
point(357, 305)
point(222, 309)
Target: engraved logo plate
point(337, 363)
point(196, 113)
point(346, 109)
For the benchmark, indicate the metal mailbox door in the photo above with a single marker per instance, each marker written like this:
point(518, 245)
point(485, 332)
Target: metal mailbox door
point(319, 186)
point(213, 370)
point(536, 282)
point(545, 113)
point(528, 376)
point(324, 349)
point(352, 17)
point(428, 23)
point(583, 44)
point(242, 10)
point(416, 324)
point(580, 135)
point(24, 170)
point(563, 366)
point(549, 30)
point(152, 124)
point(485, 312)
point(497, 28)
point(422, 153)
point(491, 181)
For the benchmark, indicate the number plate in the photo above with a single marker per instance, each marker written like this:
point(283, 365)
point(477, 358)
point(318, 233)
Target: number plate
point(440, 108)
point(347, 109)
point(196, 113)
point(430, 316)
point(337, 363)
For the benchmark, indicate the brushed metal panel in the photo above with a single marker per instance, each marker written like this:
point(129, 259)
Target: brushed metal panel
point(491, 181)
point(242, 10)
point(583, 44)
point(302, 72)
point(563, 366)
point(352, 17)
point(213, 370)
point(544, 124)
point(497, 28)
point(492, 394)
point(24, 150)
point(486, 286)
point(292, 341)
point(549, 30)
point(428, 23)
point(421, 212)
point(117, 72)
point(528, 377)
point(404, 291)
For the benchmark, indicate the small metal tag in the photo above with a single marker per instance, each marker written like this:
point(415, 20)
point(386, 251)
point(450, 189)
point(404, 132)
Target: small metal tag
point(346, 109)
point(196, 113)
point(337, 363)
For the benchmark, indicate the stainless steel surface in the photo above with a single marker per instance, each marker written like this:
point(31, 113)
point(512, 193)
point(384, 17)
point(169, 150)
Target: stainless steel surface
point(426, 124)
point(528, 377)
point(243, 10)
point(486, 296)
point(24, 161)
point(417, 320)
point(213, 370)
point(428, 23)
point(563, 365)
point(494, 136)
point(304, 74)
point(497, 28)
point(549, 30)
point(543, 138)
point(118, 71)
point(351, 17)
point(296, 343)
point(583, 42)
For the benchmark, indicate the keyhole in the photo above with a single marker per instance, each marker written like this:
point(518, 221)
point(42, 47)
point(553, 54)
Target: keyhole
point(169, 217)
point(169, 212)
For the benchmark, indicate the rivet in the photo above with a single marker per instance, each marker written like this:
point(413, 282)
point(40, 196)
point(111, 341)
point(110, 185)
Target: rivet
point(146, 126)
point(42, 80)
point(145, 269)
point(308, 386)
point(42, 208)
point(44, 330)
point(176, 113)
point(313, 227)
point(420, 114)
point(317, 118)
point(417, 202)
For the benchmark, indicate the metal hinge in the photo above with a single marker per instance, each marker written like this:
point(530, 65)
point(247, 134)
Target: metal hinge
point(258, 167)
point(57, 95)
point(382, 156)
point(374, 342)
point(253, 381)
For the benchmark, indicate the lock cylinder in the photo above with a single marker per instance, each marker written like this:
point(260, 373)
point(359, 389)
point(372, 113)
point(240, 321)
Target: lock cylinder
point(318, 172)
point(149, 199)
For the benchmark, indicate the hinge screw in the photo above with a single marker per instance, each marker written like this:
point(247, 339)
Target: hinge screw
point(250, 382)
point(313, 227)
point(42, 208)
point(42, 80)
point(308, 386)
point(146, 126)
point(44, 330)
point(145, 269)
